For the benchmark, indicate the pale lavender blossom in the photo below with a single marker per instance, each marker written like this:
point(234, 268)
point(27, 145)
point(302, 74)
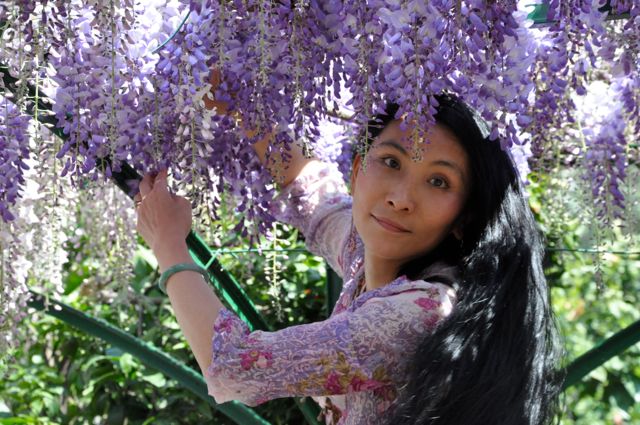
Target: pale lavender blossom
point(14, 151)
point(285, 65)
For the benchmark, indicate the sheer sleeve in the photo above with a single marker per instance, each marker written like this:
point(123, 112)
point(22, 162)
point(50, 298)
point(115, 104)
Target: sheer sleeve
point(360, 349)
point(317, 203)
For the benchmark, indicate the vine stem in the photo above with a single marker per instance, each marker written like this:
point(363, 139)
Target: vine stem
point(112, 123)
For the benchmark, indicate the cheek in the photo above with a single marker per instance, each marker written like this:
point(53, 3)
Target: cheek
point(443, 213)
point(361, 189)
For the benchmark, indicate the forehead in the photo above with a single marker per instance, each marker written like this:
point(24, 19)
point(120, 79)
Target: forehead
point(438, 141)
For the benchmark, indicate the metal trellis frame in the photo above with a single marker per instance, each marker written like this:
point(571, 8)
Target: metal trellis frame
point(148, 354)
point(226, 286)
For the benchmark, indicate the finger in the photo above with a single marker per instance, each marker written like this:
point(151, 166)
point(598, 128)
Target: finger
point(214, 78)
point(146, 184)
point(161, 182)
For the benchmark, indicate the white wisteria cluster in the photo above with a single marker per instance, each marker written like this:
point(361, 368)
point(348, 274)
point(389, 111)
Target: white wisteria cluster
point(52, 220)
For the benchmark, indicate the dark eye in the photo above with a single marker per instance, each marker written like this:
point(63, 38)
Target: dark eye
point(390, 162)
point(438, 182)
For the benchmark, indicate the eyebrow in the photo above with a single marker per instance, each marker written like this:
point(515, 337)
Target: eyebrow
point(443, 162)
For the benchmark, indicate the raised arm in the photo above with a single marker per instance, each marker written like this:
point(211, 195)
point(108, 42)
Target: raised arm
point(281, 175)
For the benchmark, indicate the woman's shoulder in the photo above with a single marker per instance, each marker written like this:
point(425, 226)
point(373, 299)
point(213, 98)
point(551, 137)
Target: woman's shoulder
point(427, 294)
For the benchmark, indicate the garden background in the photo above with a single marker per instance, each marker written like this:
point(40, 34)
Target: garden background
point(124, 98)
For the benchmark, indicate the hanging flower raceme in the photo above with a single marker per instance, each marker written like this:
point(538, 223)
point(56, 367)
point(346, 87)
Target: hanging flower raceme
point(607, 156)
point(625, 61)
point(14, 150)
point(605, 160)
point(284, 66)
point(53, 220)
point(105, 97)
point(565, 57)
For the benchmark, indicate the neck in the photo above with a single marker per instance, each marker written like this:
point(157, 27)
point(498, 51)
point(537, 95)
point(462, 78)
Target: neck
point(379, 272)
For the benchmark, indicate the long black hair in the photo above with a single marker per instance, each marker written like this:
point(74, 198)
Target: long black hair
point(495, 359)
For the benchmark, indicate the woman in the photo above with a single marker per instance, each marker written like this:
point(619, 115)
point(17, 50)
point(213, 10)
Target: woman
point(444, 316)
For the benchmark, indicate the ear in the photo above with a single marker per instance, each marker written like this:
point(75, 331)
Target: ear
point(459, 225)
point(355, 169)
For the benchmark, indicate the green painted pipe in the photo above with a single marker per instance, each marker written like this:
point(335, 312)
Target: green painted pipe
point(148, 354)
point(602, 352)
point(225, 284)
point(540, 12)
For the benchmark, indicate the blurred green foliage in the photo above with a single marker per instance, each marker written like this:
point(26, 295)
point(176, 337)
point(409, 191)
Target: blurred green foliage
point(594, 295)
point(62, 376)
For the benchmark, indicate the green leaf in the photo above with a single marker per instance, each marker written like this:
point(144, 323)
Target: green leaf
point(146, 255)
point(205, 410)
point(599, 374)
point(620, 395)
point(127, 364)
point(74, 280)
point(116, 415)
point(157, 379)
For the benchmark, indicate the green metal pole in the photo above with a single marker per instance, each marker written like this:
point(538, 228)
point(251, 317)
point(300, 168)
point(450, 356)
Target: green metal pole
point(147, 354)
point(225, 284)
point(333, 289)
point(541, 11)
point(602, 352)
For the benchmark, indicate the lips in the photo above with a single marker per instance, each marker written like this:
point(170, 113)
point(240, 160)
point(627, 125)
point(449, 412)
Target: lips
point(390, 225)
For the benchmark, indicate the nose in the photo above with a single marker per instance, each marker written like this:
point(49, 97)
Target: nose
point(401, 198)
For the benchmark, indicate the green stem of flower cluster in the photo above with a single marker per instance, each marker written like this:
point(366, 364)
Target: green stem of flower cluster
point(156, 124)
point(112, 118)
point(221, 25)
point(417, 130)
point(273, 275)
point(363, 50)
point(299, 96)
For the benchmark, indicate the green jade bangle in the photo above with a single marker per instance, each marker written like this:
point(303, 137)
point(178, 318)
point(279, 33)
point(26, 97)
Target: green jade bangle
point(179, 268)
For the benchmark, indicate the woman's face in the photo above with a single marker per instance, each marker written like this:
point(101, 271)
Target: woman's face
point(423, 198)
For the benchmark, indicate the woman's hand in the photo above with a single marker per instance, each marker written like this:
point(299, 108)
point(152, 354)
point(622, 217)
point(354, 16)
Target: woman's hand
point(209, 102)
point(164, 219)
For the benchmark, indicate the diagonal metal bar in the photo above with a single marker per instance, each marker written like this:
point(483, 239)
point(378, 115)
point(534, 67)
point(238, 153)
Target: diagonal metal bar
point(602, 352)
point(228, 287)
point(333, 287)
point(148, 354)
point(541, 11)
point(225, 284)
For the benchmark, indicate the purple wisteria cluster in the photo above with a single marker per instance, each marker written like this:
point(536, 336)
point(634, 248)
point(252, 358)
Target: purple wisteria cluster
point(610, 169)
point(14, 150)
point(605, 161)
point(105, 101)
point(565, 55)
point(625, 62)
point(284, 66)
point(579, 48)
point(287, 65)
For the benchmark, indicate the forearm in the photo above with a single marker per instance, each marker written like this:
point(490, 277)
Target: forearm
point(275, 166)
point(193, 300)
point(281, 175)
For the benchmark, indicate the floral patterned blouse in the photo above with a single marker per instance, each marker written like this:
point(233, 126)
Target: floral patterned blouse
point(351, 363)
